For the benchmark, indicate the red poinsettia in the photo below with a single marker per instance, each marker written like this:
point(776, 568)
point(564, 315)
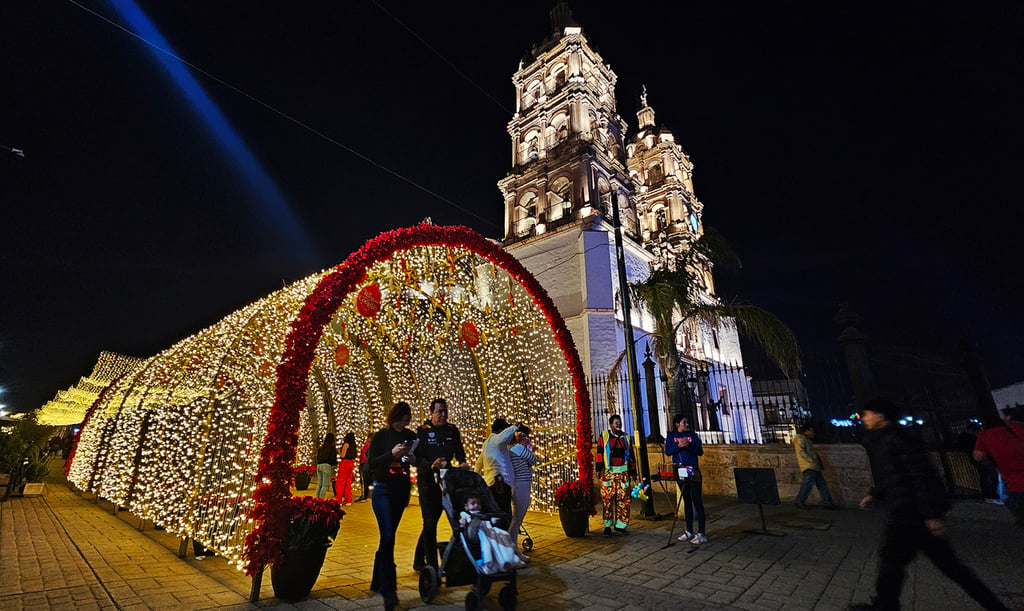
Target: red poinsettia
point(307, 470)
point(574, 496)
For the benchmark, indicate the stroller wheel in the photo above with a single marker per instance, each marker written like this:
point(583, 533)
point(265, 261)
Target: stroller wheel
point(527, 544)
point(429, 584)
point(473, 602)
point(508, 598)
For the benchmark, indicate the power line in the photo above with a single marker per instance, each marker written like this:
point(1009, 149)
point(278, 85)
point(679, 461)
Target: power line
point(283, 115)
point(450, 63)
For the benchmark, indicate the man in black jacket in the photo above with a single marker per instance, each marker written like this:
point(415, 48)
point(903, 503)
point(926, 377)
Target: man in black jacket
point(915, 499)
point(440, 443)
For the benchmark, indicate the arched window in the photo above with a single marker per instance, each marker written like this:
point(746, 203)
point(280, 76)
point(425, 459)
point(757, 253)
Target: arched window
point(530, 149)
point(526, 214)
point(560, 198)
point(655, 174)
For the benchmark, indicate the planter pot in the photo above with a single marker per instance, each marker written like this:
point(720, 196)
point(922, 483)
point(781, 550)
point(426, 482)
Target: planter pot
point(294, 578)
point(34, 490)
point(302, 482)
point(575, 522)
point(201, 551)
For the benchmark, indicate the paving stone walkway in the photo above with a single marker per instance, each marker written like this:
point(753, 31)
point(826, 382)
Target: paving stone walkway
point(65, 551)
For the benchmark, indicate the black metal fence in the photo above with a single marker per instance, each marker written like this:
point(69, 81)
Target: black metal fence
point(723, 403)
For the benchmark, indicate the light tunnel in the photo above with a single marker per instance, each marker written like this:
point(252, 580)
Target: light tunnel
point(202, 439)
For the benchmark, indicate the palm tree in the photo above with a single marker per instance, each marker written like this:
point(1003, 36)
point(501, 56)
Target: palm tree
point(680, 296)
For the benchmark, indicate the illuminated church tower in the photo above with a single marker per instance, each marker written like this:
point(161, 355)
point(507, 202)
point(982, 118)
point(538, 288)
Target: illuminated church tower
point(570, 155)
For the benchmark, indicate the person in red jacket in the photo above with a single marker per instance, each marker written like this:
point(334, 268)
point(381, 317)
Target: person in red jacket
point(1004, 445)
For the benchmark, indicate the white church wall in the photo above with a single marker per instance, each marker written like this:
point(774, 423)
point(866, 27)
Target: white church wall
point(556, 263)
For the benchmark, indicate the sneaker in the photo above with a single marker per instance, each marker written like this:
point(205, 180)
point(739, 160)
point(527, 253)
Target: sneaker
point(698, 539)
point(801, 506)
point(994, 501)
point(686, 536)
point(622, 531)
point(607, 531)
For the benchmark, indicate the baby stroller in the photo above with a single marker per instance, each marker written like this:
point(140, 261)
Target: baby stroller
point(460, 555)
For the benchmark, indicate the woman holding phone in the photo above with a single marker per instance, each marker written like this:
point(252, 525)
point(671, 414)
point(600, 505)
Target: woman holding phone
point(390, 455)
point(684, 446)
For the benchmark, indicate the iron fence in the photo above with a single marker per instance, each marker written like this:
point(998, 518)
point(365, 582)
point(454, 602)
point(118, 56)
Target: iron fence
point(723, 403)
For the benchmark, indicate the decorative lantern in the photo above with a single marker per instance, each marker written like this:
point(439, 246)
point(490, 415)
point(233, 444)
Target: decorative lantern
point(469, 334)
point(368, 300)
point(341, 355)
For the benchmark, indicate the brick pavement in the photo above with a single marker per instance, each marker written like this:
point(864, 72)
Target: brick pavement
point(65, 551)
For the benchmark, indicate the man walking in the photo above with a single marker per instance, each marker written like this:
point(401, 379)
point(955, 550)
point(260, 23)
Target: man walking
point(915, 499)
point(810, 465)
point(440, 447)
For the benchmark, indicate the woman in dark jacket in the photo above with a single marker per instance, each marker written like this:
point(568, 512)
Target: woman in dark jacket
point(326, 462)
point(390, 456)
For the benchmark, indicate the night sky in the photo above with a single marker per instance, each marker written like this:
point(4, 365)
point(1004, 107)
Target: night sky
point(856, 153)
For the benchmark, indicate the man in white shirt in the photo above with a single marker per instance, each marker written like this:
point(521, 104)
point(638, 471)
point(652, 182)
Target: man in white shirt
point(495, 463)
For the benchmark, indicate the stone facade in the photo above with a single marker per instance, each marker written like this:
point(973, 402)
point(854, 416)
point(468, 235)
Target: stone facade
point(846, 469)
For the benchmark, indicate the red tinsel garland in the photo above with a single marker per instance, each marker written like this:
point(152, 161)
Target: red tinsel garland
point(274, 472)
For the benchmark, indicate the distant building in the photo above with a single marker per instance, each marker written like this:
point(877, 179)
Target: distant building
point(1009, 396)
point(570, 157)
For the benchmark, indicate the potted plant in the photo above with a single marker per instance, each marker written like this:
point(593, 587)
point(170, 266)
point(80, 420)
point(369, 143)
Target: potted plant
point(575, 502)
point(36, 467)
point(303, 474)
point(312, 526)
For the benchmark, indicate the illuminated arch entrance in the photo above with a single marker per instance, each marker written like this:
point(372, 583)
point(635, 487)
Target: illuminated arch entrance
point(204, 437)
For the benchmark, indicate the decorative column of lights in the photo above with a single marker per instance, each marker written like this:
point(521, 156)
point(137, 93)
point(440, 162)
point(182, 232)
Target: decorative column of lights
point(226, 409)
point(631, 371)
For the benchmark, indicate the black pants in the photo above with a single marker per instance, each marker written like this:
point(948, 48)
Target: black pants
point(503, 496)
point(903, 538)
point(431, 510)
point(364, 479)
point(692, 489)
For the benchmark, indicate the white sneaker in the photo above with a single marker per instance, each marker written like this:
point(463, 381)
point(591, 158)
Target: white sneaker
point(698, 539)
point(686, 536)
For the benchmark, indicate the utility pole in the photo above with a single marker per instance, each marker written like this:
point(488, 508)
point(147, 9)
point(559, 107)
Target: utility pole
point(640, 440)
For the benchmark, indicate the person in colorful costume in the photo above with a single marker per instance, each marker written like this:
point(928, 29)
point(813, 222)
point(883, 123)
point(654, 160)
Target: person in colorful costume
point(616, 466)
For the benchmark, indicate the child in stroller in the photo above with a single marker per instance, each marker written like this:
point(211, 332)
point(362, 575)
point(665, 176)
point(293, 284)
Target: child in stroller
point(497, 549)
point(463, 560)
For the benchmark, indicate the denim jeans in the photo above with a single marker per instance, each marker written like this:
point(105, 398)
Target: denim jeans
point(388, 502)
point(813, 478)
point(324, 473)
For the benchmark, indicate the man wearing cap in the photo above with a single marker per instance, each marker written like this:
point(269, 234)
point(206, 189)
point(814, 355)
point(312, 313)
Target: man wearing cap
point(1004, 445)
point(915, 500)
point(495, 463)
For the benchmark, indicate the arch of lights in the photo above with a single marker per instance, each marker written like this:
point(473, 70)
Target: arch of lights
point(202, 438)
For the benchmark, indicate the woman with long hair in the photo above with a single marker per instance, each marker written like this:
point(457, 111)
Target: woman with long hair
point(390, 455)
point(326, 462)
point(346, 469)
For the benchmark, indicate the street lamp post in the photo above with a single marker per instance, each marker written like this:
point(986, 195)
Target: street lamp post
point(647, 510)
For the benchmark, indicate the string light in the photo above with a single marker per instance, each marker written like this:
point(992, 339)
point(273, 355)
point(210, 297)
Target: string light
point(178, 440)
